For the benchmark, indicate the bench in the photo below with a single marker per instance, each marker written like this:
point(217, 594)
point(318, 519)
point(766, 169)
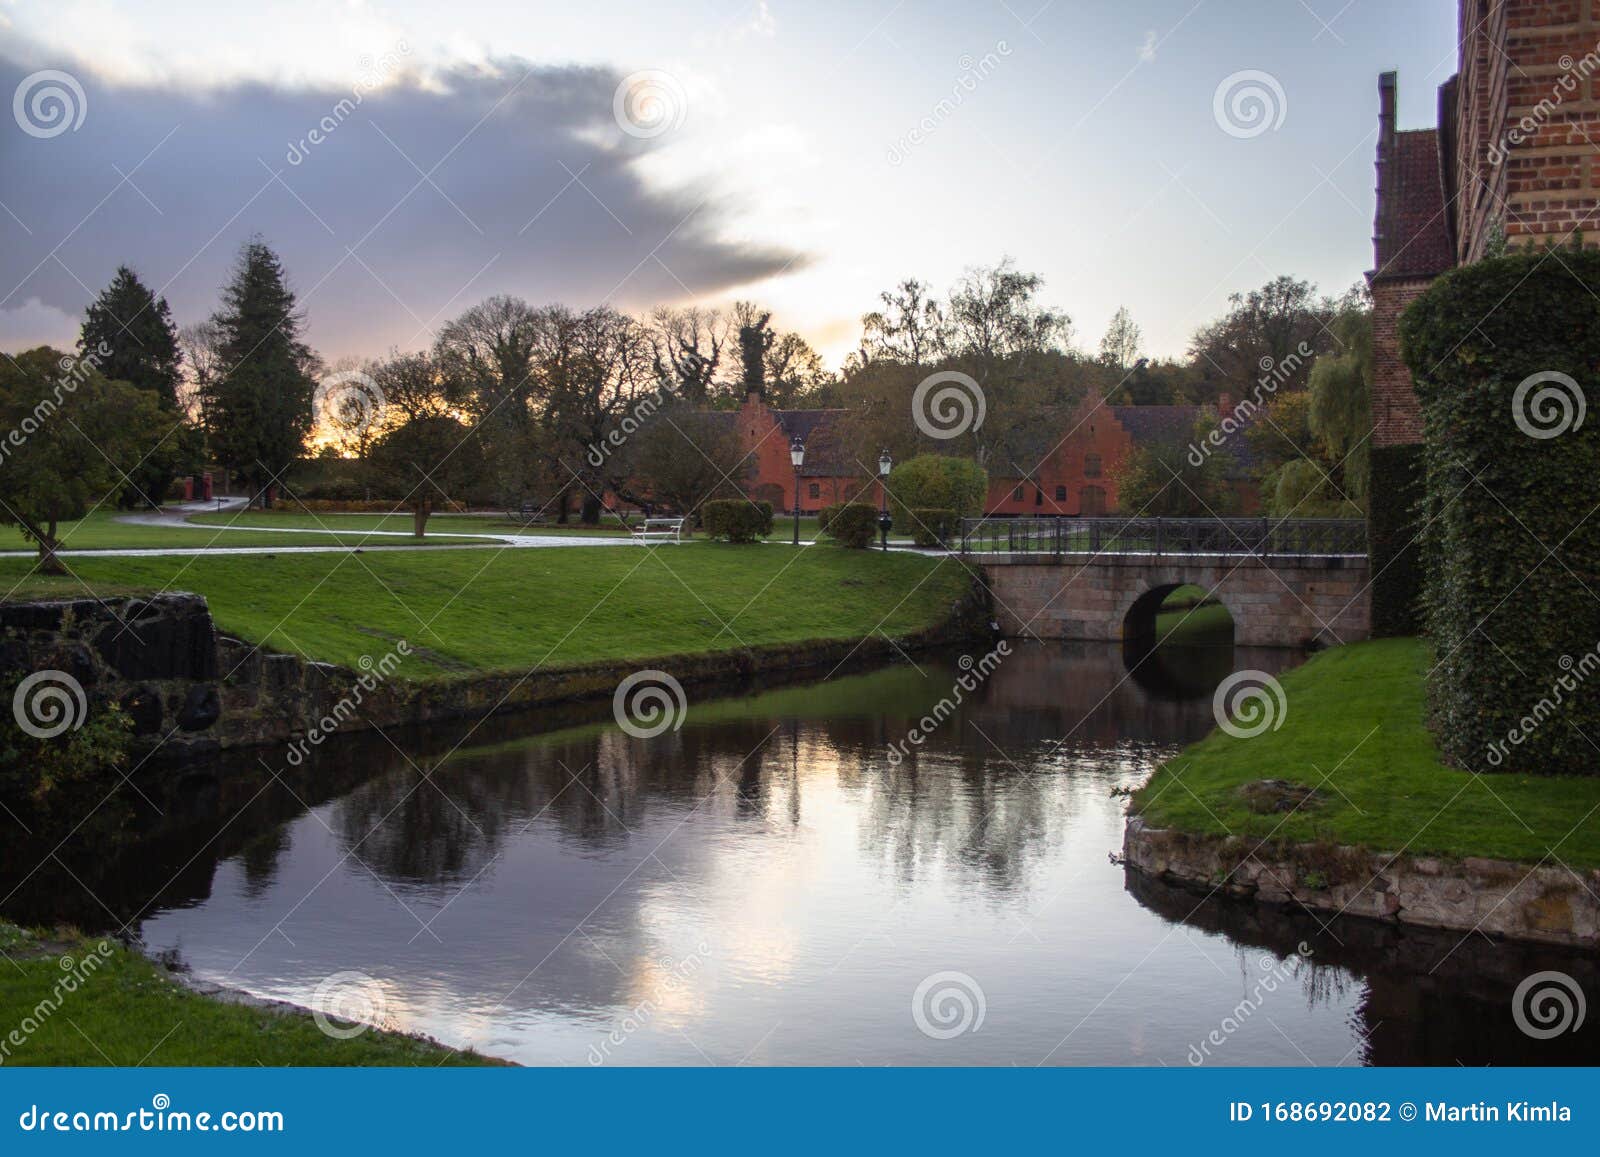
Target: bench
point(527, 515)
point(659, 530)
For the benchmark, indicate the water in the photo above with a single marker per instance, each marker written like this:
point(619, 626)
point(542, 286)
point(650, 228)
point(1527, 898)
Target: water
point(766, 886)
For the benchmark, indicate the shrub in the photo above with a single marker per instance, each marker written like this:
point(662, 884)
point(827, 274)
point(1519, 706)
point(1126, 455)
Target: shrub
point(935, 482)
point(852, 524)
point(1392, 528)
point(930, 526)
point(1509, 484)
point(737, 519)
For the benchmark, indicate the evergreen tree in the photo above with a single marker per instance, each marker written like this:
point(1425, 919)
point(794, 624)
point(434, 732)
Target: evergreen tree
point(128, 334)
point(258, 408)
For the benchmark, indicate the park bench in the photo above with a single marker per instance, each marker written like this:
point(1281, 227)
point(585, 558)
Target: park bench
point(659, 530)
point(527, 514)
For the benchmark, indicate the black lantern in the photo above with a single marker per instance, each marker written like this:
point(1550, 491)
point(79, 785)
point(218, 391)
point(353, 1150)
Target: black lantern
point(797, 455)
point(885, 464)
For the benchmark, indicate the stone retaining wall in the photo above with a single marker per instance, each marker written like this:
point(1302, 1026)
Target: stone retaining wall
point(191, 691)
point(1549, 905)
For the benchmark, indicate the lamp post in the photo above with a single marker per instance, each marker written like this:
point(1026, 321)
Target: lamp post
point(797, 455)
point(885, 464)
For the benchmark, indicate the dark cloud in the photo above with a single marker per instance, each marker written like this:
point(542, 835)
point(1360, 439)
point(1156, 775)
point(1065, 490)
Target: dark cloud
point(533, 179)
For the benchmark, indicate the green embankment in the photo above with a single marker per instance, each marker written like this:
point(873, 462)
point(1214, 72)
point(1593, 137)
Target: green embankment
point(475, 612)
point(1354, 730)
point(70, 1003)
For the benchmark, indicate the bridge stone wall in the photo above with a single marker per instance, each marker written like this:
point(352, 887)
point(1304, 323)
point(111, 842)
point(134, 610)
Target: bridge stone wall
point(1287, 602)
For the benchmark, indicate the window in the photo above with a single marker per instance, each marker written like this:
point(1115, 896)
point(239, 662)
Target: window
point(1038, 495)
point(1091, 465)
point(1016, 495)
point(1091, 501)
point(1061, 493)
point(815, 490)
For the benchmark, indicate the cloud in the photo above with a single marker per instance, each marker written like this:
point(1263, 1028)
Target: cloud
point(1147, 50)
point(394, 204)
point(33, 323)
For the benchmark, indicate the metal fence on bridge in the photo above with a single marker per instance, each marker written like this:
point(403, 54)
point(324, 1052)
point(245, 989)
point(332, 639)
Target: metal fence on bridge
point(1266, 537)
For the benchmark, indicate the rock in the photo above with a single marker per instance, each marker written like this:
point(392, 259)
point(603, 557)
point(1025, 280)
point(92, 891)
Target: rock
point(201, 708)
point(1266, 796)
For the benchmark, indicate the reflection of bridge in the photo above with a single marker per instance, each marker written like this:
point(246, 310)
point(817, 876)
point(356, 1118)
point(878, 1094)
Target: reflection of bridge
point(1286, 583)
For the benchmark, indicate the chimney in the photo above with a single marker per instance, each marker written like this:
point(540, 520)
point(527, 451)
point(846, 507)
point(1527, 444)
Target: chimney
point(1386, 146)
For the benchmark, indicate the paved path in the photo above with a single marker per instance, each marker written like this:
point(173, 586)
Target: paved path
point(177, 516)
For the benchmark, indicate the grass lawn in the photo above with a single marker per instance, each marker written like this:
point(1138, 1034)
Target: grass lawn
point(290, 518)
point(1356, 714)
point(126, 1012)
point(1185, 616)
point(470, 612)
point(103, 531)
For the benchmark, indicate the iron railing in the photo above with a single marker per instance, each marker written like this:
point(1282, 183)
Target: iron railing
point(1267, 537)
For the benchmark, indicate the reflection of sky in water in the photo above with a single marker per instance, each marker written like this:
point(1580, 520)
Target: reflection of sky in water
point(765, 886)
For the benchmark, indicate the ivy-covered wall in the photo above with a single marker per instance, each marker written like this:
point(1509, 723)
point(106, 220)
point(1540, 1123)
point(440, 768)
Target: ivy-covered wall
point(1506, 354)
point(1392, 529)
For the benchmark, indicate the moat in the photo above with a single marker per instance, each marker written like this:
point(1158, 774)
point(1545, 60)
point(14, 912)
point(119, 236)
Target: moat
point(766, 886)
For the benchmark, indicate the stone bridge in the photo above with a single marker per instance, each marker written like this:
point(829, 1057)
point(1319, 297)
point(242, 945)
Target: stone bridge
point(1284, 584)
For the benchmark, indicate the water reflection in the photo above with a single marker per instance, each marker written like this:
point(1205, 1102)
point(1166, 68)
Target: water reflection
point(766, 885)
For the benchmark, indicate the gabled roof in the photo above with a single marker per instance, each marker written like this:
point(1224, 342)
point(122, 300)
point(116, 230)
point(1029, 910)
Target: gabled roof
point(826, 454)
point(1412, 230)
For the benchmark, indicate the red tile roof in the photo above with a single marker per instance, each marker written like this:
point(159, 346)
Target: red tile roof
point(1413, 236)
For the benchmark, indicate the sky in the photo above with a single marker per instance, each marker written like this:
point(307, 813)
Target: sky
point(808, 156)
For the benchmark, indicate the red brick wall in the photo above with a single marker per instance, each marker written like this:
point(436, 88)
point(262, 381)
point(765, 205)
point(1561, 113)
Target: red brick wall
point(1528, 114)
point(1396, 416)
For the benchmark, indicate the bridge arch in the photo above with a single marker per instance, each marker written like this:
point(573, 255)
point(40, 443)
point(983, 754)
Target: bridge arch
point(1139, 615)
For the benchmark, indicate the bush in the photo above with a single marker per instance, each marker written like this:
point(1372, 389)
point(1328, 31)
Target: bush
point(852, 524)
point(1392, 528)
point(737, 519)
point(931, 526)
point(935, 482)
point(1510, 484)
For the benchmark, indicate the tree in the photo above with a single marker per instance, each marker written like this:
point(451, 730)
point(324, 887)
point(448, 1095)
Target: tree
point(485, 358)
point(71, 436)
point(1341, 401)
point(1169, 479)
point(794, 372)
point(682, 457)
point(1119, 348)
point(258, 407)
point(1262, 335)
point(424, 460)
point(688, 347)
point(129, 333)
point(910, 328)
point(936, 482)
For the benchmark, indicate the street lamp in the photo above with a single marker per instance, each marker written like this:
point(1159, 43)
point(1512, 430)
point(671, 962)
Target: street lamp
point(885, 464)
point(797, 455)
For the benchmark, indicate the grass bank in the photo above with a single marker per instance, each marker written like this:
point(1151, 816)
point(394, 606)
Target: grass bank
point(123, 1010)
point(1354, 729)
point(468, 613)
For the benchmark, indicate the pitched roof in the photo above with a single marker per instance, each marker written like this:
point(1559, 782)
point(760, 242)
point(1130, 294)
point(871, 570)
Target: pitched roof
point(826, 454)
point(1412, 231)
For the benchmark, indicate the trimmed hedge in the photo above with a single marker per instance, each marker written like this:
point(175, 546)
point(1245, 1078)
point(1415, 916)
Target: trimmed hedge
point(736, 519)
point(852, 524)
point(932, 526)
point(1510, 619)
point(1395, 473)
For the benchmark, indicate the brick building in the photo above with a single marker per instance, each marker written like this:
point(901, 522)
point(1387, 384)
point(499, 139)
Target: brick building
point(1070, 471)
point(1514, 157)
